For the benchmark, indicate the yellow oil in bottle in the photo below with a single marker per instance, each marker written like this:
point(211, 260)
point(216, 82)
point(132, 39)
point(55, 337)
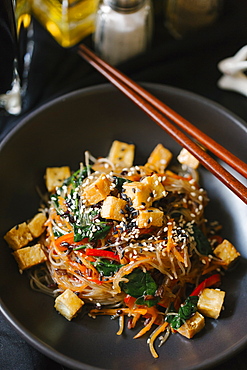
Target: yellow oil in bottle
point(68, 21)
point(22, 14)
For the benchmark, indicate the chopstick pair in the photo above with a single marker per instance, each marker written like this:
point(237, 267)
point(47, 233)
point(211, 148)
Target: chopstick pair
point(158, 111)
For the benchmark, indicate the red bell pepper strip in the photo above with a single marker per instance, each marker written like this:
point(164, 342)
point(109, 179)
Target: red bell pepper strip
point(129, 301)
point(211, 280)
point(68, 238)
point(102, 253)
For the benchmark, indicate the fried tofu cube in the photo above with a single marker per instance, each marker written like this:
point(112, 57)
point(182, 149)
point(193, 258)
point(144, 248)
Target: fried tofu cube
point(192, 326)
point(149, 217)
point(29, 256)
point(185, 157)
point(159, 158)
point(139, 194)
point(113, 208)
point(68, 304)
point(210, 302)
point(121, 154)
point(157, 190)
point(226, 252)
point(98, 190)
point(36, 225)
point(18, 236)
point(55, 177)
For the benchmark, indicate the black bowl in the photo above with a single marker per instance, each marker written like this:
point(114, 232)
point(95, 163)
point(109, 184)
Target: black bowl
point(58, 134)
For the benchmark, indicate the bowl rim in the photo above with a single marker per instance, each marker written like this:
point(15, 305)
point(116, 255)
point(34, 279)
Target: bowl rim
point(26, 334)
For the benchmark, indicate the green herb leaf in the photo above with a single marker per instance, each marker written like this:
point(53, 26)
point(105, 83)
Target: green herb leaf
point(186, 310)
point(202, 244)
point(54, 200)
point(175, 321)
point(106, 267)
point(101, 232)
point(140, 284)
point(92, 231)
point(77, 177)
point(119, 181)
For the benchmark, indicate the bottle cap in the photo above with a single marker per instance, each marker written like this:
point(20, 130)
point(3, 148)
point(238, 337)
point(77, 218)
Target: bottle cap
point(125, 6)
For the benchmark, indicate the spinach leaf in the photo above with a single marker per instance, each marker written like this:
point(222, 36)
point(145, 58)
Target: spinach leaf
point(202, 244)
point(175, 321)
point(57, 234)
point(106, 267)
point(77, 177)
point(54, 200)
point(185, 311)
point(119, 181)
point(188, 308)
point(101, 232)
point(92, 231)
point(140, 284)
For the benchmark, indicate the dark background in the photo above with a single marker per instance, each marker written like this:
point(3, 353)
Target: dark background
point(189, 63)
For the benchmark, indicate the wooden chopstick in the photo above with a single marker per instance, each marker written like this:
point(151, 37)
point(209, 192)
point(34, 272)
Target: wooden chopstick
point(145, 101)
point(200, 136)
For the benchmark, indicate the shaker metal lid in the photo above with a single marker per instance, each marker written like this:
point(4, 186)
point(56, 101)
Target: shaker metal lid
point(125, 6)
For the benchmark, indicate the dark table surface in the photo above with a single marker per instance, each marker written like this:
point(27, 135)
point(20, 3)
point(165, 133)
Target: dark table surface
point(189, 63)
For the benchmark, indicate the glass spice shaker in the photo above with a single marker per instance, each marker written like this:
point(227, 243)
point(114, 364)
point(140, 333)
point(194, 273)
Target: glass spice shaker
point(123, 29)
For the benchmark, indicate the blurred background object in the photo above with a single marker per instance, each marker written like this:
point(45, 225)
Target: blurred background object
point(23, 15)
point(9, 60)
point(185, 16)
point(16, 47)
point(233, 69)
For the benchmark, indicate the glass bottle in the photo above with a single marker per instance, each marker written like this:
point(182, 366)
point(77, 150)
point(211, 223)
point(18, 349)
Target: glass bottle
point(123, 29)
point(16, 46)
point(68, 21)
point(10, 92)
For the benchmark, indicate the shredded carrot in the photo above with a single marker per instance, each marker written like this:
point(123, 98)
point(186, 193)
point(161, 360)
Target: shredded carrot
point(115, 311)
point(61, 202)
point(178, 255)
point(175, 176)
point(154, 313)
point(146, 328)
point(136, 316)
point(170, 242)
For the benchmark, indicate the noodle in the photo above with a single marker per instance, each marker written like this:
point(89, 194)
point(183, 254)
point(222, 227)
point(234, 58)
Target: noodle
point(130, 238)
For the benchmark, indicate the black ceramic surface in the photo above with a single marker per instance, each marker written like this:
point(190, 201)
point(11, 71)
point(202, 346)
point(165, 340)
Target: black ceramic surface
point(58, 134)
